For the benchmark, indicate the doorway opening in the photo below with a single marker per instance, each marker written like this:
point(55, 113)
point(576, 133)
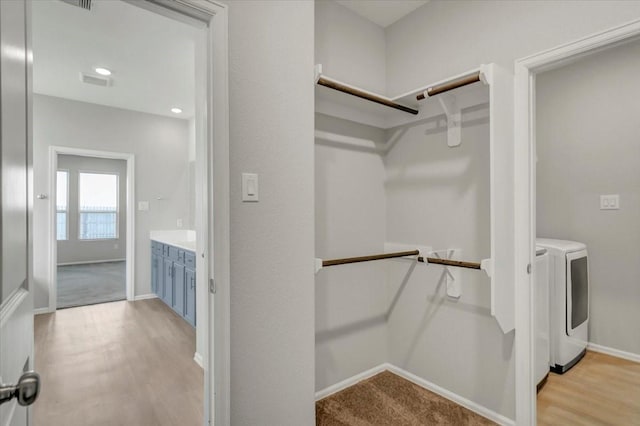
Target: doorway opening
point(575, 214)
point(91, 223)
point(120, 83)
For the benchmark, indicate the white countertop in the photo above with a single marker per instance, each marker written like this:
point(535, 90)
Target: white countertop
point(181, 238)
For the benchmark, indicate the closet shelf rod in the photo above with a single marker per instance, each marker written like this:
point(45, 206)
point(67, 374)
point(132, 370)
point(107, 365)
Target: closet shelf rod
point(450, 85)
point(449, 262)
point(335, 85)
point(346, 260)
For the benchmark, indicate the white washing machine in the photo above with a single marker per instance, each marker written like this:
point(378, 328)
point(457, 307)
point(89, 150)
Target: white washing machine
point(541, 313)
point(568, 302)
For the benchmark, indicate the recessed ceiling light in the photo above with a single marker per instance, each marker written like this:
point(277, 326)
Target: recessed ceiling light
point(103, 71)
point(176, 110)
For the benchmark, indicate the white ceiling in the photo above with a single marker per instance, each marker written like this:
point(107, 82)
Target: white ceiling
point(151, 56)
point(382, 12)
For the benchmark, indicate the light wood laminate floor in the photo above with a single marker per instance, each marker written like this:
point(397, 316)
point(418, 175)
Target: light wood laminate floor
point(599, 390)
point(120, 363)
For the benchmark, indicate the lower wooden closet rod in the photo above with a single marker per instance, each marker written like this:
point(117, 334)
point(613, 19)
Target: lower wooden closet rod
point(434, 260)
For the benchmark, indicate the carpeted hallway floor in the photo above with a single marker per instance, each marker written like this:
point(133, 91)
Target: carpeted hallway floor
point(92, 283)
point(387, 399)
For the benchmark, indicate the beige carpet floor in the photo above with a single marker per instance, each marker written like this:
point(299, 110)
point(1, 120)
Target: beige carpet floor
point(387, 399)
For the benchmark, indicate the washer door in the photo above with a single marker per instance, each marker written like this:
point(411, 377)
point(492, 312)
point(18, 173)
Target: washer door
point(577, 290)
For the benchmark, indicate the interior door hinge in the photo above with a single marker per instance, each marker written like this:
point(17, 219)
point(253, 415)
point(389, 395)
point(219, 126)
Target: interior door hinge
point(212, 286)
point(529, 268)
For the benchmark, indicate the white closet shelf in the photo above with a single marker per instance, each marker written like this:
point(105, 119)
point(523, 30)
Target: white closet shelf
point(333, 102)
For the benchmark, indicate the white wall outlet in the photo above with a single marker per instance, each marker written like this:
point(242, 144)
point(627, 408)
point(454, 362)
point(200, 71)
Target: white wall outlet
point(250, 187)
point(179, 223)
point(143, 206)
point(116, 246)
point(610, 202)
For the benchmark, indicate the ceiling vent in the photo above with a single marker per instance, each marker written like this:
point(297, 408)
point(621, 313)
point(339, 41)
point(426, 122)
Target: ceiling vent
point(84, 4)
point(95, 80)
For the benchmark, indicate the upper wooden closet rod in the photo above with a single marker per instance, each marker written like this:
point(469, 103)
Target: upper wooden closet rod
point(450, 85)
point(335, 85)
point(435, 260)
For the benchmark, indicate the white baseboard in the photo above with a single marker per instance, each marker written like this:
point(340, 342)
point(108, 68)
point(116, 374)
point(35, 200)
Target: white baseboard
point(466, 403)
point(199, 360)
point(145, 296)
point(88, 262)
point(39, 311)
point(613, 352)
point(350, 381)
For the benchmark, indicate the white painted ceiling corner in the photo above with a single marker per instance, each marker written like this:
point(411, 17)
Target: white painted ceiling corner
point(382, 12)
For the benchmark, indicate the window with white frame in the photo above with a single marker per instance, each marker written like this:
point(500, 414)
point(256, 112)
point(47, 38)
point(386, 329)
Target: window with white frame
point(62, 205)
point(98, 206)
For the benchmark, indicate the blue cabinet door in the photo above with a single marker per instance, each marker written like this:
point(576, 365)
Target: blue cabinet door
point(178, 288)
point(190, 302)
point(168, 282)
point(158, 275)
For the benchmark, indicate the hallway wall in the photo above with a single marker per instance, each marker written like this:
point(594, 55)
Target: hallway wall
point(272, 282)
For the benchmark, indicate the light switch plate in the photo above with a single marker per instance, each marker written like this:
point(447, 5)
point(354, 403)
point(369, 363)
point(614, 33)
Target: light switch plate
point(250, 187)
point(610, 202)
point(143, 205)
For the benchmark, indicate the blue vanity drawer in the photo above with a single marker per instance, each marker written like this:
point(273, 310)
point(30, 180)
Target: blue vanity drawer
point(156, 248)
point(173, 253)
point(190, 259)
point(181, 256)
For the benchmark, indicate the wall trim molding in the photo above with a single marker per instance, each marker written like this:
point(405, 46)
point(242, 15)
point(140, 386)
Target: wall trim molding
point(199, 360)
point(45, 310)
point(145, 296)
point(451, 396)
point(330, 390)
point(88, 262)
point(629, 356)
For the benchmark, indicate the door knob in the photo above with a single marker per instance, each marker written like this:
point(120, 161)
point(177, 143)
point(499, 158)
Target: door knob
point(26, 391)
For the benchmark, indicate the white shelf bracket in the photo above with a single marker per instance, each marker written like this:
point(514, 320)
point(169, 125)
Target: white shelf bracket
point(454, 119)
point(451, 276)
point(318, 73)
point(318, 265)
point(487, 266)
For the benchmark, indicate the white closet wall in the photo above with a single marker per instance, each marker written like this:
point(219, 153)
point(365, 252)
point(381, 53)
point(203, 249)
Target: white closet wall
point(351, 329)
point(351, 302)
point(439, 196)
point(421, 193)
point(444, 38)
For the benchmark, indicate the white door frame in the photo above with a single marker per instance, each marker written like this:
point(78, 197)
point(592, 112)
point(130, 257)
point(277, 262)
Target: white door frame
point(54, 151)
point(525, 195)
point(217, 224)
